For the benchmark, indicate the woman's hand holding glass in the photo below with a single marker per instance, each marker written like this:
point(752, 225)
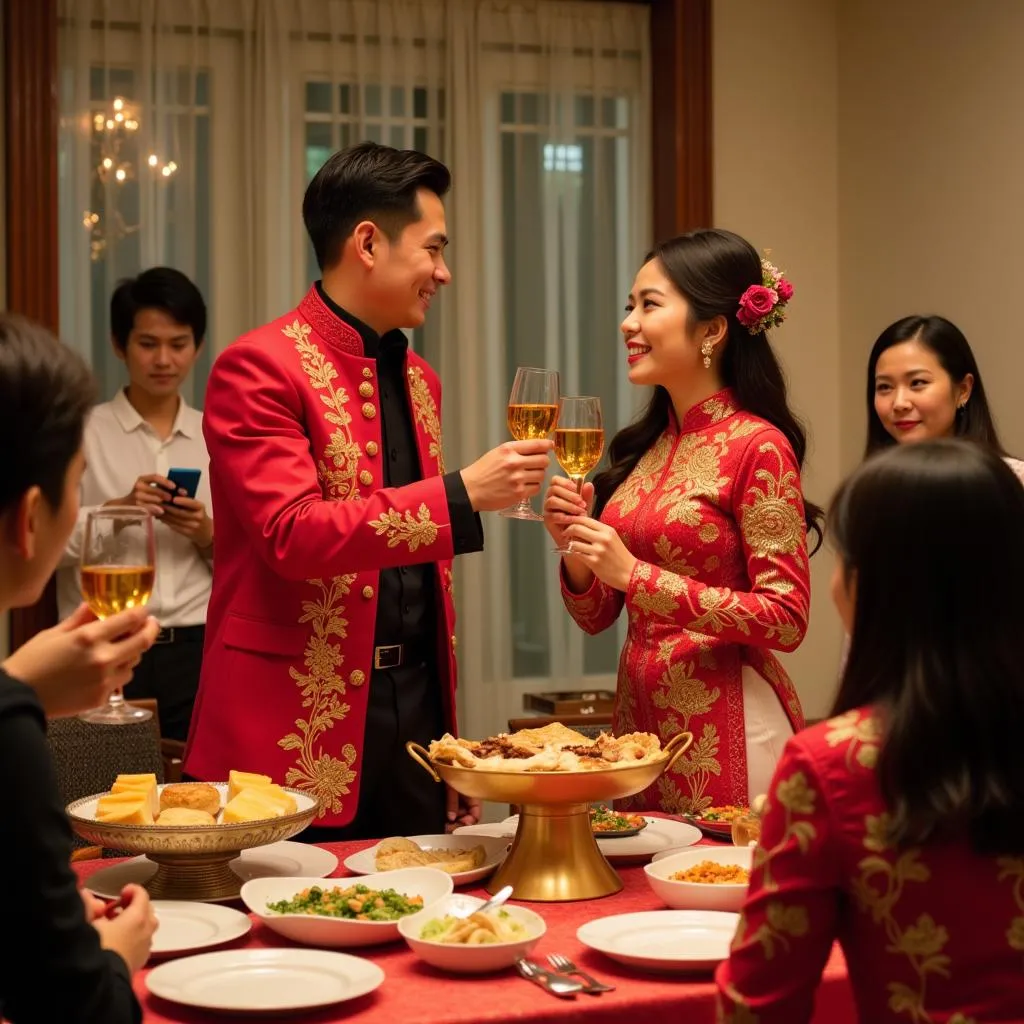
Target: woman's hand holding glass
point(563, 504)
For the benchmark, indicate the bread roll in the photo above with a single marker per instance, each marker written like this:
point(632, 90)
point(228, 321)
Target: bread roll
point(185, 816)
point(199, 796)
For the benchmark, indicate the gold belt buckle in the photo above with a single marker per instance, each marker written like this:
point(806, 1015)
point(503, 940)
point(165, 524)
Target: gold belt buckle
point(387, 657)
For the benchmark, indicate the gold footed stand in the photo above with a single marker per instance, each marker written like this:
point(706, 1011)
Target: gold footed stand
point(193, 878)
point(554, 855)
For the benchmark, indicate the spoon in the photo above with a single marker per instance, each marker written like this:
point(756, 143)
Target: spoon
point(495, 901)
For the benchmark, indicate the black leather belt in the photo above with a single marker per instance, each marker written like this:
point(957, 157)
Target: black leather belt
point(180, 634)
point(411, 652)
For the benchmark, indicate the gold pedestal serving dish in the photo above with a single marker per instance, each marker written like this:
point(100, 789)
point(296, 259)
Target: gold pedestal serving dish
point(193, 862)
point(554, 855)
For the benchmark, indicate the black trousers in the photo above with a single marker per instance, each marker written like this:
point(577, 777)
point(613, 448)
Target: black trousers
point(396, 796)
point(169, 672)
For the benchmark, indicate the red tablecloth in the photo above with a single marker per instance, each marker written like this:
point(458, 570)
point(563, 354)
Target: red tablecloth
point(415, 993)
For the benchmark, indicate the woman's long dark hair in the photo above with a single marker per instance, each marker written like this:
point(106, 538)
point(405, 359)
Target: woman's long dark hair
point(931, 534)
point(711, 269)
point(947, 343)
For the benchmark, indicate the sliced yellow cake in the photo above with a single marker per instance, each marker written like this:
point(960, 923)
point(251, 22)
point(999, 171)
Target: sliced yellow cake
point(253, 804)
point(145, 785)
point(237, 781)
point(129, 808)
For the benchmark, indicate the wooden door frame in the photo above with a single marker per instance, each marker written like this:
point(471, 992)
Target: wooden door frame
point(681, 162)
point(30, 167)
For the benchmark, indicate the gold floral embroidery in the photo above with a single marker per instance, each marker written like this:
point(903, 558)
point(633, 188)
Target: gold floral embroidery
point(862, 733)
point(447, 582)
point(672, 558)
point(425, 414)
point(681, 693)
point(1013, 867)
point(771, 524)
point(740, 1012)
point(321, 686)
point(412, 532)
point(342, 451)
point(797, 798)
point(877, 891)
point(718, 410)
point(781, 921)
point(641, 481)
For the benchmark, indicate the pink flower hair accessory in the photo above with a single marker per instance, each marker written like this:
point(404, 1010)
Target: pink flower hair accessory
point(763, 305)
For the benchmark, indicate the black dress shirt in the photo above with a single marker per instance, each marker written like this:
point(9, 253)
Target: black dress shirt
point(407, 595)
point(54, 969)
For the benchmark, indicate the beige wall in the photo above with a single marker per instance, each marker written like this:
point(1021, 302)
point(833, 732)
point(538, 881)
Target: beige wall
point(776, 182)
point(875, 146)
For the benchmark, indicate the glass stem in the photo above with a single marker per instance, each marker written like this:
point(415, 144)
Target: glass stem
point(116, 698)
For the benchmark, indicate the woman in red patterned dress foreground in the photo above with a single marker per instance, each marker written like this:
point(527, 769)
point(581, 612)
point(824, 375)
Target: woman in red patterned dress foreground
point(699, 525)
point(897, 827)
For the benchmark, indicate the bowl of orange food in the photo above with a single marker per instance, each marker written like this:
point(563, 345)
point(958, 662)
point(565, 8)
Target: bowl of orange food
point(702, 877)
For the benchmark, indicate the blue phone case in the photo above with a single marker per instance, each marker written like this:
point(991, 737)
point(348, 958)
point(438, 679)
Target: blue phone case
point(185, 478)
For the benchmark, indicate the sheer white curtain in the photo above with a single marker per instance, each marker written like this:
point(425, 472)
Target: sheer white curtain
point(540, 108)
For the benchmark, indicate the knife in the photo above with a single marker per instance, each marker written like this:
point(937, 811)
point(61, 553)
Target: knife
point(556, 984)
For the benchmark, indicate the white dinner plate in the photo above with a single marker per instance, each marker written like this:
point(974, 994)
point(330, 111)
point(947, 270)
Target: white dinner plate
point(186, 926)
point(264, 981)
point(364, 862)
point(674, 941)
point(272, 861)
point(660, 834)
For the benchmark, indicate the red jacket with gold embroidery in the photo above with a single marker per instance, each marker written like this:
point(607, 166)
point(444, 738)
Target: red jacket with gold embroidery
point(714, 513)
point(304, 526)
point(931, 935)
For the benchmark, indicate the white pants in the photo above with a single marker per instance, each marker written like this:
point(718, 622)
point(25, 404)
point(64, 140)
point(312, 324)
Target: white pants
point(766, 728)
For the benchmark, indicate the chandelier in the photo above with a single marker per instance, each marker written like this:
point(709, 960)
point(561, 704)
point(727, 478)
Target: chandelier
point(115, 139)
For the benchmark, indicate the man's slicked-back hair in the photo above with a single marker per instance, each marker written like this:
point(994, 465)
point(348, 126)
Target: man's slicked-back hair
point(46, 391)
point(367, 182)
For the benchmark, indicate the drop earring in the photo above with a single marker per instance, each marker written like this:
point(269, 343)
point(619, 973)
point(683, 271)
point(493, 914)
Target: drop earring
point(705, 350)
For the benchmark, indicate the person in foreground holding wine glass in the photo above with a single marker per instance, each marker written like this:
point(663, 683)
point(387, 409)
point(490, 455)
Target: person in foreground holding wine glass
point(897, 825)
point(699, 524)
point(67, 962)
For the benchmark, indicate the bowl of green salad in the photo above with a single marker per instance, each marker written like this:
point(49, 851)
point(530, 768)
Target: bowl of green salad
point(454, 936)
point(342, 913)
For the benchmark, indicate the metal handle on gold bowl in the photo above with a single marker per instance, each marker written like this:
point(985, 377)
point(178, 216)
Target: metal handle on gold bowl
point(422, 758)
point(676, 747)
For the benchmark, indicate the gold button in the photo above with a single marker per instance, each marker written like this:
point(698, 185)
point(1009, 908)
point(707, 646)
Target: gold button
point(357, 678)
point(366, 389)
point(372, 448)
point(366, 478)
point(367, 592)
point(367, 373)
point(455, 642)
point(369, 410)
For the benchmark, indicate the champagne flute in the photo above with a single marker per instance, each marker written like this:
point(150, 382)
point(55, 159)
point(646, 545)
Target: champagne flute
point(579, 438)
point(118, 567)
point(532, 413)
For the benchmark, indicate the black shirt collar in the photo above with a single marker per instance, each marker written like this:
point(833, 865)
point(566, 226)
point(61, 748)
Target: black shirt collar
point(374, 345)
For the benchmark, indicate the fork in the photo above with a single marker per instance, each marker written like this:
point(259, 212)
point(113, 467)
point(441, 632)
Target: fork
point(564, 965)
point(556, 984)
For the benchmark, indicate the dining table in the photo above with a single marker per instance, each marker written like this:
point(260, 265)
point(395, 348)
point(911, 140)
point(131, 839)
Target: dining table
point(415, 993)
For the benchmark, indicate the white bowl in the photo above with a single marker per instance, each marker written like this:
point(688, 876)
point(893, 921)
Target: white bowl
point(338, 932)
point(698, 895)
point(471, 959)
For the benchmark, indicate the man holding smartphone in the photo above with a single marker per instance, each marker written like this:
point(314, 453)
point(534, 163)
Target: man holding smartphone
point(145, 447)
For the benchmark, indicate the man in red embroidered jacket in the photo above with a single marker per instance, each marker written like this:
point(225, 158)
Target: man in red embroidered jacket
point(329, 638)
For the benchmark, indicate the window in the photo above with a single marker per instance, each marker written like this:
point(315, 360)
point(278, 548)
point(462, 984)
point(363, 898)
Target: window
point(563, 234)
point(142, 174)
point(338, 116)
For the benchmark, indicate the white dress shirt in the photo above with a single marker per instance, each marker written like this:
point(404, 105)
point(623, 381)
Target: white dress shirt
point(120, 446)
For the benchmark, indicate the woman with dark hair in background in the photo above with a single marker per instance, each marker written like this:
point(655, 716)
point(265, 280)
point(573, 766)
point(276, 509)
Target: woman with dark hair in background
point(897, 827)
point(699, 524)
point(924, 383)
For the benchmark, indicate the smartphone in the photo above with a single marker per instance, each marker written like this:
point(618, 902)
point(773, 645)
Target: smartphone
point(186, 479)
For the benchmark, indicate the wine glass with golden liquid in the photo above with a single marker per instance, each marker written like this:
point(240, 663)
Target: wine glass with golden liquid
point(118, 567)
point(579, 438)
point(532, 413)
